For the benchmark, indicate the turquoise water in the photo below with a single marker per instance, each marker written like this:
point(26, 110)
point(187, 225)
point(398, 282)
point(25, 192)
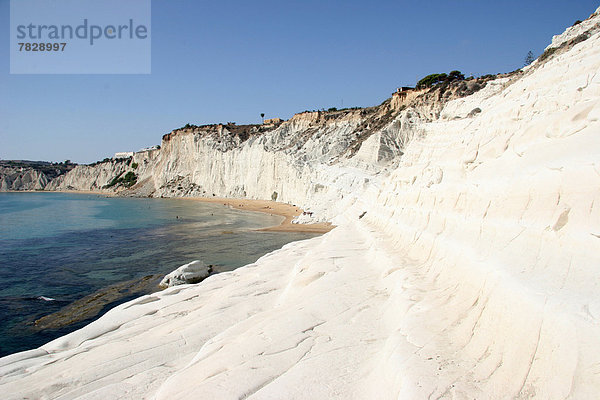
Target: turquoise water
point(67, 246)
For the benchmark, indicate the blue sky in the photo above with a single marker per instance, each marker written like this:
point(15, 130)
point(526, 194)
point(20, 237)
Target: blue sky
point(232, 60)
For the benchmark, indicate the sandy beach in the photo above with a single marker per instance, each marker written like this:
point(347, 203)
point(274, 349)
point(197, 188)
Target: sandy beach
point(288, 211)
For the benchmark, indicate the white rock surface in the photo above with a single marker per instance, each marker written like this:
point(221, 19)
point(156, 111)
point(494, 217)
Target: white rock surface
point(21, 179)
point(193, 272)
point(473, 273)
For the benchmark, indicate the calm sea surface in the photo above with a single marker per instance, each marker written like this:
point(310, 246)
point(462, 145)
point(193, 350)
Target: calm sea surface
point(57, 248)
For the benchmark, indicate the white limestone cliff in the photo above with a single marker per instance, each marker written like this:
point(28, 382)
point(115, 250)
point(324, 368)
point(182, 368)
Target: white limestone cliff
point(12, 179)
point(466, 266)
point(313, 159)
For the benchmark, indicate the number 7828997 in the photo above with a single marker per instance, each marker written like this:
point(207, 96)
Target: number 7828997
point(42, 46)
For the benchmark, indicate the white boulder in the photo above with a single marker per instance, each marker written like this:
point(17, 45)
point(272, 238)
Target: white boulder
point(194, 272)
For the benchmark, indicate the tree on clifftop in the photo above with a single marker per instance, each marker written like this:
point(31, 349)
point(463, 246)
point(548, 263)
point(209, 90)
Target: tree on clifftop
point(431, 80)
point(456, 76)
point(434, 79)
point(529, 58)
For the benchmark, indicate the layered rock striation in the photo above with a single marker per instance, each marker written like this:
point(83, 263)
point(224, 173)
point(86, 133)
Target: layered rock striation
point(464, 263)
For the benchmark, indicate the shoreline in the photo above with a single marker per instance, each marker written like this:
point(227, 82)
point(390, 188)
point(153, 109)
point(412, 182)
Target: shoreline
point(288, 211)
point(91, 307)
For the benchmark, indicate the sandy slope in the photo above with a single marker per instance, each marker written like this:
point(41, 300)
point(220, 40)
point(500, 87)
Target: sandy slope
point(473, 274)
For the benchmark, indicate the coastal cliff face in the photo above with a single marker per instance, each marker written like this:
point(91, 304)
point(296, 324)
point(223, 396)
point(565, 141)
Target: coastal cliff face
point(21, 179)
point(30, 175)
point(314, 160)
point(95, 177)
point(496, 216)
point(464, 263)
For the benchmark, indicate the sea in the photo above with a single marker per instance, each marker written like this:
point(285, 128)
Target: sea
point(66, 259)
